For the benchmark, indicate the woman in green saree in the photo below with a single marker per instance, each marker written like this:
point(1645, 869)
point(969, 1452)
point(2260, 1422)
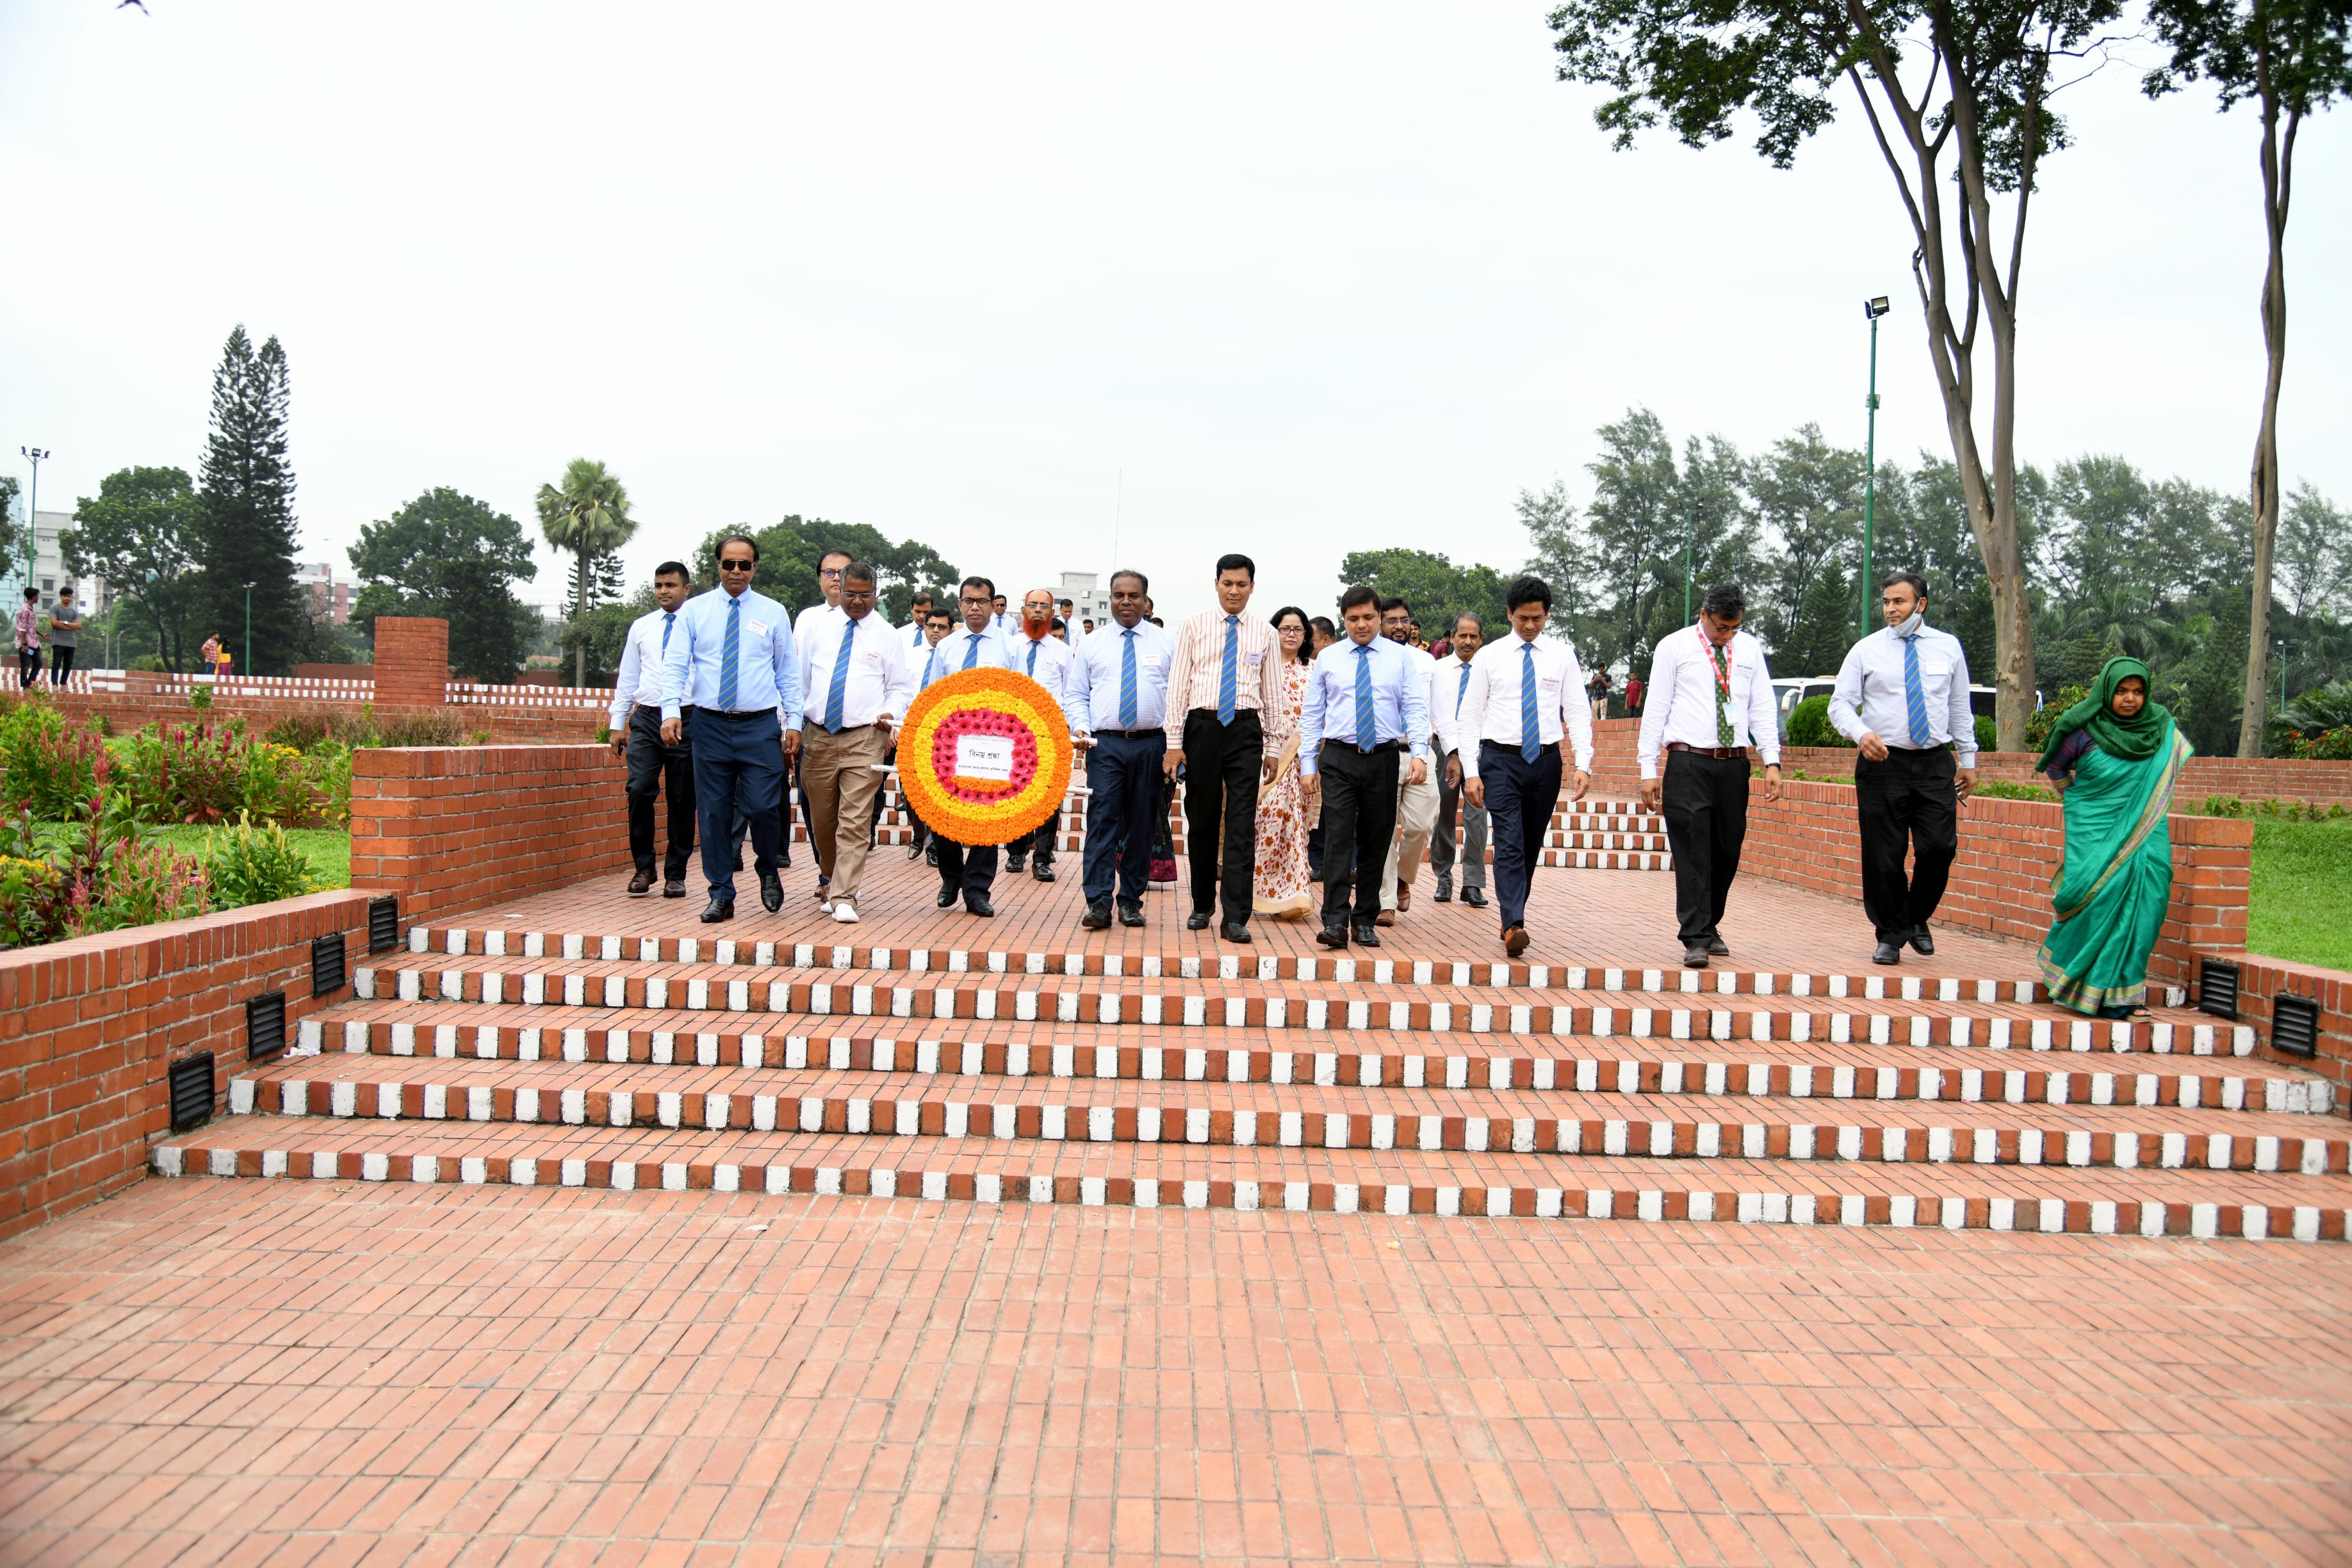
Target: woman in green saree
point(2115, 757)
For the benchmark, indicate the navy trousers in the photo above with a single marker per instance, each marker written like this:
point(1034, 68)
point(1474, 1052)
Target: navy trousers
point(965, 869)
point(1520, 796)
point(1123, 779)
point(738, 764)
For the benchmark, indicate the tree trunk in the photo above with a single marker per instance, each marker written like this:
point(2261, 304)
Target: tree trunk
point(2275, 174)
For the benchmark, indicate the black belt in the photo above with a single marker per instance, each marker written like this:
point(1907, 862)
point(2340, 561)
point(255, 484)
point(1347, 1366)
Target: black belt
point(1369, 751)
point(1132, 734)
point(1721, 754)
point(741, 717)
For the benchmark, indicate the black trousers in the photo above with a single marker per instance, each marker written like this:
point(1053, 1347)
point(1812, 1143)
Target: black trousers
point(739, 768)
point(1220, 777)
point(1520, 796)
point(654, 767)
point(965, 869)
point(1359, 817)
point(1038, 844)
point(29, 667)
point(1907, 804)
point(60, 664)
point(1705, 801)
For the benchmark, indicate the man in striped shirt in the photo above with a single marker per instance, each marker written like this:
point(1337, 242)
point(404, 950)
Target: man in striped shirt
point(1226, 731)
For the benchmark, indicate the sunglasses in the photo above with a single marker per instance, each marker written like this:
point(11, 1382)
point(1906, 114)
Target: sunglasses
point(735, 565)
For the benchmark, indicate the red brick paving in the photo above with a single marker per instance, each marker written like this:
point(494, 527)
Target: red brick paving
point(204, 1373)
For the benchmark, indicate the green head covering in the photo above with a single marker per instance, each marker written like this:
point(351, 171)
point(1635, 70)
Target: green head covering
point(2134, 739)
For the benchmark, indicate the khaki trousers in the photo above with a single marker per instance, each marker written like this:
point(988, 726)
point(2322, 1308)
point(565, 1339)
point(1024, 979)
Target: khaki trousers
point(837, 772)
point(1416, 821)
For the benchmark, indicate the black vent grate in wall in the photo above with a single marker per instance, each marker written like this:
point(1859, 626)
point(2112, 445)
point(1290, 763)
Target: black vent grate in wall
point(191, 1090)
point(328, 971)
point(265, 1027)
point(2294, 1025)
point(384, 924)
point(2217, 987)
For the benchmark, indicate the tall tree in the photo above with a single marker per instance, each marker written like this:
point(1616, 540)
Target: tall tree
point(2291, 56)
point(1808, 494)
point(1561, 551)
point(2315, 554)
point(140, 534)
point(12, 529)
point(1956, 93)
point(449, 556)
point(248, 487)
point(791, 548)
point(588, 514)
point(1439, 591)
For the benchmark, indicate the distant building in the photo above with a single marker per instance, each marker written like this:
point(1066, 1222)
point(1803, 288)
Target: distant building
point(1088, 601)
point(50, 571)
point(329, 600)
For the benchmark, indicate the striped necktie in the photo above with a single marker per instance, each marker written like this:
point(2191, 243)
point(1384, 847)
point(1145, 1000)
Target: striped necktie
point(1462, 689)
point(1365, 726)
point(1530, 727)
point(730, 649)
point(972, 651)
point(1915, 696)
point(1126, 682)
point(669, 619)
point(839, 687)
point(1229, 671)
point(1032, 660)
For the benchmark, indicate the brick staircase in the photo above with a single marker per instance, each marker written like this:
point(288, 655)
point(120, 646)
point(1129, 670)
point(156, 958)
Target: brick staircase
point(619, 1044)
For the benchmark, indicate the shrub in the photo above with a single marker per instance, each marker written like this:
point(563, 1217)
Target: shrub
point(253, 864)
point(2046, 717)
point(2330, 745)
point(45, 761)
point(31, 902)
point(144, 884)
point(1809, 725)
point(2293, 810)
point(2322, 709)
point(175, 773)
point(1988, 734)
point(200, 698)
point(2003, 789)
point(423, 730)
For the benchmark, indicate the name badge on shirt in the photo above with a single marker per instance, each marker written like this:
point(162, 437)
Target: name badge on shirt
point(758, 627)
point(1253, 659)
point(1152, 661)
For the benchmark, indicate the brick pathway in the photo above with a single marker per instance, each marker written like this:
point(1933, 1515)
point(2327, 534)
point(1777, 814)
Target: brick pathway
point(231, 1372)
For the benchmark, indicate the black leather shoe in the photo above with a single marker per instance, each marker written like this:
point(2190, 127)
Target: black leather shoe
point(1016, 863)
point(978, 904)
point(1197, 921)
point(1922, 943)
point(1332, 936)
point(1096, 918)
point(1888, 953)
point(1043, 871)
point(1474, 897)
point(948, 896)
point(914, 851)
point(1694, 955)
point(1717, 947)
point(1365, 936)
point(1234, 930)
point(718, 910)
point(772, 892)
point(641, 883)
point(1446, 886)
point(1130, 914)
point(931, 856)
point(674, 889)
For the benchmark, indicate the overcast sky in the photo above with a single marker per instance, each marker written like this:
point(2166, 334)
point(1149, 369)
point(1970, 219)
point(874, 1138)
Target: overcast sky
point(1311, 276)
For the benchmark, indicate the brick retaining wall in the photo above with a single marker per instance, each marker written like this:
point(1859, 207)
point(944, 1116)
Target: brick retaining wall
point(88, 1030)
point(458, 827)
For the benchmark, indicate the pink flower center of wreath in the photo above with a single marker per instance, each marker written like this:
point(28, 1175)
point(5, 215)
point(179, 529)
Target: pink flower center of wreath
point(975, 721)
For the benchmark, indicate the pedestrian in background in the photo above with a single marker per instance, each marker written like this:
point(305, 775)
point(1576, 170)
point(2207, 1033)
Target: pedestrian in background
point(28, 642)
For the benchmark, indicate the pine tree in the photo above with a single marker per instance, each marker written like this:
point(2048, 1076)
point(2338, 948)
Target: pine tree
point(248, 495)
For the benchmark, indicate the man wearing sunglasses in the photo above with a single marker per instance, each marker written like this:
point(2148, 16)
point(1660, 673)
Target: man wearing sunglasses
point(730, 676)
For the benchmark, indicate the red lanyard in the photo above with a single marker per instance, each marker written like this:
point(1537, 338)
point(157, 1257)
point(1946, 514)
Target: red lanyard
point(1723, 669)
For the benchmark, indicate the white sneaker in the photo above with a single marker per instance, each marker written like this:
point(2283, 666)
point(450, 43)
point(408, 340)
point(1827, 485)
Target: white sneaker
point(844, 913)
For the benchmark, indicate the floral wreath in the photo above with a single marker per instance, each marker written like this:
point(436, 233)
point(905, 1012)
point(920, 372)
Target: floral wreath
point(984, 756)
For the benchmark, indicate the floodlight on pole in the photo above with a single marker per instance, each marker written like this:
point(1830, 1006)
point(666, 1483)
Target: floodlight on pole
point(1872, 308)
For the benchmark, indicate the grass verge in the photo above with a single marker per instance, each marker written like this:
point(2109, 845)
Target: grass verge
point(2300, 872)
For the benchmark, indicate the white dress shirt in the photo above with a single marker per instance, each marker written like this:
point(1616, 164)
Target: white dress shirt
point(912, 632)
point(1491, 702)
point(1451, 687)
point(1096, 677)
point(984, 649)
point(1048, 665)
point(1441, 702)
point(878, 682)
point(1680, 703)
point(639, 680)
point(815, 616)
point(1870, 695)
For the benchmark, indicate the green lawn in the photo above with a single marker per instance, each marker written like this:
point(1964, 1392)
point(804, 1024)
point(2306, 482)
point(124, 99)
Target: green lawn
point(328, 850)
point(2301, 870)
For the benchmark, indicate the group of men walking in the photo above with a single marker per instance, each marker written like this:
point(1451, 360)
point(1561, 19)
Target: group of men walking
point(721, 696)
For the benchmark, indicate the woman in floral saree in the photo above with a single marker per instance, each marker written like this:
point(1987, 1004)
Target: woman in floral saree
point(2115, 757)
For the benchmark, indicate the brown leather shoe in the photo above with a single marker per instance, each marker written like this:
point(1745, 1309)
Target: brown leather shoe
point(1405, 897)
point(1515, 941)
point(641, 884)
point(1385, 918)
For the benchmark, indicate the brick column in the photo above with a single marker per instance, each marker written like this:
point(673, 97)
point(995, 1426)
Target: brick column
point(412, 661)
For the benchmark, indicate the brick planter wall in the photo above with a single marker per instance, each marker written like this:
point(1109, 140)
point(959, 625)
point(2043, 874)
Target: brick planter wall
point(2259, 979)
point(88, 1030)
point(457, 827)
point(412, 660)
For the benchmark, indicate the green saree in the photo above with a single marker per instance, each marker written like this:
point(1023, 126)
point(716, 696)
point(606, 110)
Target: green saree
point(2111, 889)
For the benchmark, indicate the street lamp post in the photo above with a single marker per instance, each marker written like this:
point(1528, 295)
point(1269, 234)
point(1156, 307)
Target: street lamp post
point(248, 631)
point(1874, 309)
point(32, 509)
point(1690, 542)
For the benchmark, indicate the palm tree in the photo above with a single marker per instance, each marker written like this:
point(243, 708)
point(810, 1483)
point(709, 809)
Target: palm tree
point(587, 514)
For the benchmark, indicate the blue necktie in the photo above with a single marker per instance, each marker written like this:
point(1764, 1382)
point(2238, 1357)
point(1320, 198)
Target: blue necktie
point(730, 647)
point(839, 687)
point(1365, 727)
point(1033, 660)
point(972, 651)
point(1530, 731)
point(1463, 689)
point(1914, 697)
point(1229, 672)
point(669, 620)
point(1126, 682)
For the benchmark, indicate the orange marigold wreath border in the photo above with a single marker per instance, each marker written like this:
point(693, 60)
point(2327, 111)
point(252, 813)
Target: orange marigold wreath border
point(1007, 694)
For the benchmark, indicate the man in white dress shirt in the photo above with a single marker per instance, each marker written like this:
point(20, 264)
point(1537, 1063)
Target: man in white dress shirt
point(1453, 685)
point(1044, 659)
point(968, 870)
point(918, 611)
point(1522, 706)
point(808, 624)
point(1709, 700)
point(1902, 698)
point(654, 763)
point(855, 689)
point(1416, 802)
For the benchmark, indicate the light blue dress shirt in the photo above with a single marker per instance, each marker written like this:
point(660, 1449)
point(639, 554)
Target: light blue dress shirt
point(1400, 700)
point(766, 673)
point(1870, 693)
point(1093, 681)
point(983, 650)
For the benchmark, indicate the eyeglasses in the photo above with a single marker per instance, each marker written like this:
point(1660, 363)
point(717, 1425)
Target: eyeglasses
point(735, 565)
point(828, 572)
